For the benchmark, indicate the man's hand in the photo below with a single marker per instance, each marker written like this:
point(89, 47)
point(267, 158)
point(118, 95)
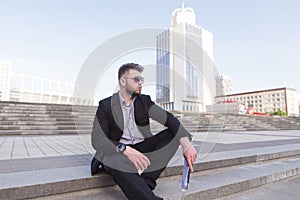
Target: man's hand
point(140, 161)
point(189, 152)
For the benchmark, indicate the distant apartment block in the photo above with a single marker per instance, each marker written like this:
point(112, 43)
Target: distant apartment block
point(266, 101)
point(185, 75)
point(5, 80)
point(223, 85)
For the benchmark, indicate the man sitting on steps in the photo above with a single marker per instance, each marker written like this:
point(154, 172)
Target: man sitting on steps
point(124, 144)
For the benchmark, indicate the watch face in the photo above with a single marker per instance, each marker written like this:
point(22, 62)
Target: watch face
point(122, 147)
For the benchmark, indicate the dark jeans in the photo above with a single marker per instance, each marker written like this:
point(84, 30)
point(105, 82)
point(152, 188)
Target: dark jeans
point(159, 149)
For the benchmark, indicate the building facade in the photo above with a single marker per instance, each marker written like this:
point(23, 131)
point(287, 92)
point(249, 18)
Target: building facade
point(185, 73)
point(267, 101)
point(5, 80)
point(223, 84)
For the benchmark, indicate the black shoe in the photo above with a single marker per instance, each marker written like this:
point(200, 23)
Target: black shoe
point(95, 166)
point(159, 198)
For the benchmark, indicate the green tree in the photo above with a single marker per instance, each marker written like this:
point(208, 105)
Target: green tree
point(278, 113)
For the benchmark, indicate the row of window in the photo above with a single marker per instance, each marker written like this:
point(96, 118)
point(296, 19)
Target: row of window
point(39, 98)
point(265, 101)
point(269, 96)
point(267, 110)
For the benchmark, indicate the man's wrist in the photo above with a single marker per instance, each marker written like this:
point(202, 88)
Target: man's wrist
point(185, 142)
point(120, 148)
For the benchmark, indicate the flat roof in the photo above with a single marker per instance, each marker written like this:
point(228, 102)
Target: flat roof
point(258, 91)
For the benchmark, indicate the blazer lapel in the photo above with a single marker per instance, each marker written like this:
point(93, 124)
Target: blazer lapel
point(117, 111)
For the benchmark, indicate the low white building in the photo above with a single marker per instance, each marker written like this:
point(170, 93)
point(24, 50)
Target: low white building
point(28, 88)
point(34, 89)
point(266, 101)
point(5, 80)
point(299, 102)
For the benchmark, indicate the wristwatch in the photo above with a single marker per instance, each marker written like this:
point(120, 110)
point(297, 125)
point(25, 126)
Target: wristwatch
point(121, 148)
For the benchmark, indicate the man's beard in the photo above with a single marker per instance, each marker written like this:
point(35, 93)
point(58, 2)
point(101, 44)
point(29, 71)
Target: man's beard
point(133, 93)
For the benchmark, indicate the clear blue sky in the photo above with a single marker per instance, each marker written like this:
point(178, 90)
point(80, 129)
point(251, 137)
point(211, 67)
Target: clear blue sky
point(256, 43)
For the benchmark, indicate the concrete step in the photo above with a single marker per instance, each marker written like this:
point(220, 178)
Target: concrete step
point(287, 189)
point(47, 127)
point(29, 123)
point(211, 184)
point(44, 122)
point(73, 125)
point(37, 119)
point(218, 183)
point(61, 115)
point(209, 129)
point(216, 175)
point(17, 111)
point(30, 107)
point(43, 132)
point(26, 119)
point(27, 107)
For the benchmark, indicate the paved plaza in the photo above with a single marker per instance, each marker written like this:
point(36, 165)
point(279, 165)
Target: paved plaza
point(30, 162)
point(23, 153)
point(283, 190)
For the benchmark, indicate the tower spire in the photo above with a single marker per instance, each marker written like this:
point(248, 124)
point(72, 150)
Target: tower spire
point(183, 15)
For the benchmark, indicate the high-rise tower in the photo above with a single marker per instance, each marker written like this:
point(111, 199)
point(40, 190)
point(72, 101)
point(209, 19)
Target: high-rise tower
point(185, 72)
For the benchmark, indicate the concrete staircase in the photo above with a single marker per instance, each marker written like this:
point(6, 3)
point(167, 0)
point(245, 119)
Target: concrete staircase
point(217, 175)
point(42, 119)
point(198, 122)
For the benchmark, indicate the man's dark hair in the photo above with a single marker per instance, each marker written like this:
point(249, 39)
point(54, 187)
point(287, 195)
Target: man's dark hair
point(126, 67)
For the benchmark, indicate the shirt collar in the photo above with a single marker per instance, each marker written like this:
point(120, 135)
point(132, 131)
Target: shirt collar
point(122, 101)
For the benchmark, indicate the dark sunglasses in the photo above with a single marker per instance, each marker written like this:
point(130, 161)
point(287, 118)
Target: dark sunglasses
point(138, 79)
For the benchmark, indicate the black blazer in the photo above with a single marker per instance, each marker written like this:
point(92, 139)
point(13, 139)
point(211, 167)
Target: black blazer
point(109, 124)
